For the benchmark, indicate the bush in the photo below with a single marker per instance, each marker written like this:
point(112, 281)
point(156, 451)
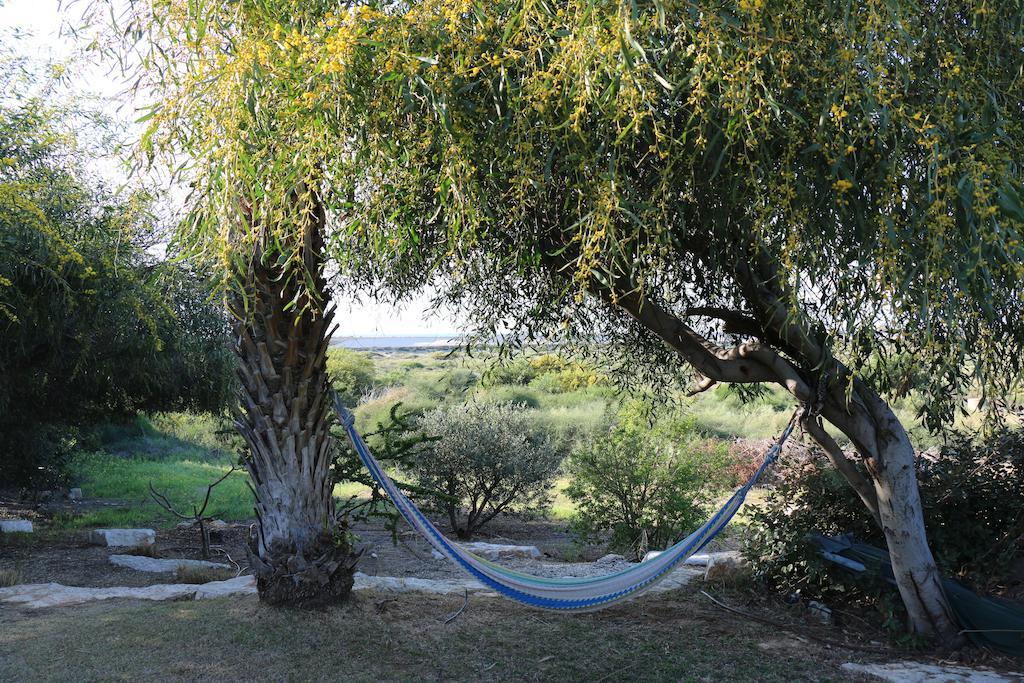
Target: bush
point(459, 381)
point(518, 371)
point(973, 498)
point(10, 577)
point(522, 396)
point(487, 460)
point(351, 373)
point(639, 479)
point(91, 323)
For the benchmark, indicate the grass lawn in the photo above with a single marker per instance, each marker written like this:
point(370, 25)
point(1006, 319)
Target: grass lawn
point(183, 481)
point(382, 637)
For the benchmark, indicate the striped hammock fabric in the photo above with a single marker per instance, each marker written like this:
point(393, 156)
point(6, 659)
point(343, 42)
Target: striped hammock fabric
point(560, 594)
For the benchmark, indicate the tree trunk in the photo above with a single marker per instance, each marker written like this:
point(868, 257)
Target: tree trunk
point(891, 495)
point(282, 327)
point(890, 464)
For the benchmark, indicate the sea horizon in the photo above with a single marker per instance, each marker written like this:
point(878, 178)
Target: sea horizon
point(390, 341)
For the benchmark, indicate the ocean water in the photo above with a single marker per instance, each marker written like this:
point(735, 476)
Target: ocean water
point(413, 342)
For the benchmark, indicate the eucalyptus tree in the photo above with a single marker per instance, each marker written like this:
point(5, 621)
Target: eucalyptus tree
point(761, 191)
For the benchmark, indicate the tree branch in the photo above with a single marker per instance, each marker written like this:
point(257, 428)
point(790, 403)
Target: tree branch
point(703, 385)
point(860, 483)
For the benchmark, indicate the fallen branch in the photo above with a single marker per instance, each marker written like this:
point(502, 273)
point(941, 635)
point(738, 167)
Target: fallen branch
point(461, 610)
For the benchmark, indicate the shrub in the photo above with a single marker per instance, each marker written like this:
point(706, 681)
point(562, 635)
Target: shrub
point(351, 373)
point(459, 380)
point(487, 460)
point(518, 371)
point(192, 574)
point(639, 479)
point(522, 396)
point(10, 577)
point(973, 498)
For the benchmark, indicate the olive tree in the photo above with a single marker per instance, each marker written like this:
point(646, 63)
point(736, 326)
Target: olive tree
point(765, 191)
point(486, 459)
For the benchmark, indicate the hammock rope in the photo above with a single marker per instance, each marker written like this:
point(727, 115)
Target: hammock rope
point(561, 594)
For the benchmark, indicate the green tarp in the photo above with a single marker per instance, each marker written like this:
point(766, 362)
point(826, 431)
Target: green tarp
point(987, 621)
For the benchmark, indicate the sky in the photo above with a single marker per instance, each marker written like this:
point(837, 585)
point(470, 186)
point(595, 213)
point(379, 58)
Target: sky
point(38, 22)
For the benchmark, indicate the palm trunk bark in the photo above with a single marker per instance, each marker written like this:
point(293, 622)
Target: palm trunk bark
point(283, 327)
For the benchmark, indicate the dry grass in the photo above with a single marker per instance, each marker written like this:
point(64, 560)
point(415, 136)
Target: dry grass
point(377, 637)
point(188, 574)
point(10, 577)
point(144, 551)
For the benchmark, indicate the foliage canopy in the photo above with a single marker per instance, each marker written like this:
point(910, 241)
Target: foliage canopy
point(862, 158)
point(90, 323)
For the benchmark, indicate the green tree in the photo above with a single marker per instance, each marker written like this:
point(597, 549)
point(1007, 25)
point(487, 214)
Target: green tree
point(647, 484)
point(753, 190)
point(486, 460)
point(758, 191)
point(90, 323)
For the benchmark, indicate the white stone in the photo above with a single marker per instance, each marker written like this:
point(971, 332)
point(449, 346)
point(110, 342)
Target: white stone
point(723, 565)
point(75, 494)
point(495, 551)
point(698, 560)
point(122, 537)
point(40, 595)
point(240, 585)
point(820, 611)
point(917, 672)
point(10, 526)
point(151, 564)
point(611, 558)
point(407, 584)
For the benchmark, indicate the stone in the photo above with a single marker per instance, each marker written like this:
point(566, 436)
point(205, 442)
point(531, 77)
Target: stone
point(407, 584)
point(12, 526)
point(820, 611)
point(611, 558)
point(495, 551)
point(122, 537)
point(41, 595)
point(151, 564)
point(75, 494)
point(698, 560)
point(240, 585)
point(918, 672)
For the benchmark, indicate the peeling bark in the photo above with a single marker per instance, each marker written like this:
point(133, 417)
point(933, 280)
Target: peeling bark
point(890, 491)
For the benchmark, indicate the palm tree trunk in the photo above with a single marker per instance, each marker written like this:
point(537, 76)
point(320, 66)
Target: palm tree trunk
point(283, 328)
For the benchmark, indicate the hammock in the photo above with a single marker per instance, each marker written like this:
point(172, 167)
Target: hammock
point(561, 594)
